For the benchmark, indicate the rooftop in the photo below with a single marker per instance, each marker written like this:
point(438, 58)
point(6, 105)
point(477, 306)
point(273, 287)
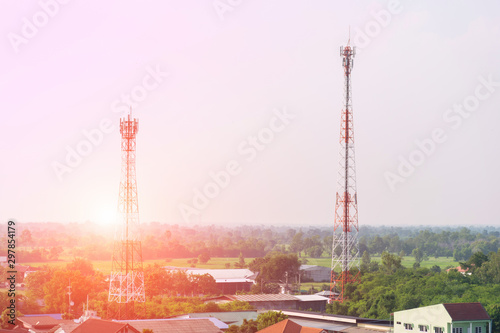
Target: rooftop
point(309, 298)
point(288, 326)
point(192, 325)
point(102, 326)
point(263, 297)
point(38, 321)
point(225, 274)
point(466, 311)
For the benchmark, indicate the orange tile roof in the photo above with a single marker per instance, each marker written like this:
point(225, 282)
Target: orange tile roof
point(288, 326)
point(93, 325)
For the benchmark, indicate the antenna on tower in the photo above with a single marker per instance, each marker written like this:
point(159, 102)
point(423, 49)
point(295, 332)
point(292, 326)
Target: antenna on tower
point(345, 251)
point(126, 282)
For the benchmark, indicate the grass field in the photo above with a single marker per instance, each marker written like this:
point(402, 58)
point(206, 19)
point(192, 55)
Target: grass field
point(407, 261)
point(105, 265)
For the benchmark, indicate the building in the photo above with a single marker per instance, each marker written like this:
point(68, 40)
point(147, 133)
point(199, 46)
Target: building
point(38, 324)
point(315, 273)
point(104, 326)
point(229, 318)
point(229, 281)
point(190, 325)
point(288, 326)
point(338, 323)
point(314, 303)
point(443, 318)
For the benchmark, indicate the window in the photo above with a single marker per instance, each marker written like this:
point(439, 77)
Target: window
point(423, 328)
point(399, 323)
point(438, 330)
point(408, 327)
point(457, 330)
point(478, 329)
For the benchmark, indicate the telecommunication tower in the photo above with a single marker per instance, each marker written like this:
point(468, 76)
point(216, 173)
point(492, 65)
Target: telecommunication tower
point(345, 251)
point(126, 282)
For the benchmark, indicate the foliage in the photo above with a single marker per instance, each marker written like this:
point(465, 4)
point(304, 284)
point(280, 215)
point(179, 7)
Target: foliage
point(275, 266)
point(158, 281)
point(378, 294)
point(263, 320)
point(5, 318)
point(241, 262)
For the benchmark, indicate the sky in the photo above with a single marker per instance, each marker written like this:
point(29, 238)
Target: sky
point(239, 108)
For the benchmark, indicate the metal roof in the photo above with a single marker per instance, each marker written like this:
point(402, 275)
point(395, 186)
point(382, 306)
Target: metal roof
point(264, 297)
point(466, 311)
point(310, 298)
point(225, 274)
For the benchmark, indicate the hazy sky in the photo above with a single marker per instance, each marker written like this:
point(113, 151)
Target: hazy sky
point(254, 88)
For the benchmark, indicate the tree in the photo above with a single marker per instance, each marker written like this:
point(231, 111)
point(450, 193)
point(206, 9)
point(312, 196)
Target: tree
point(269, 318)
point(390, 262)
point(475, 261)
point(274, 267)
point(25, 239)
point(82, 265)
point(241, 262)
point(204, 258)
point(297, 244)
point(5, 318)
point(365, 262)
point(37, 280)
point(418, 254)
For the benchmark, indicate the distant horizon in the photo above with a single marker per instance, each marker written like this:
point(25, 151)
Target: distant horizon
point(294, 226)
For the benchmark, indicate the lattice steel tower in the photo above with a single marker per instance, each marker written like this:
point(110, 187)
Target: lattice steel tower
point(345, 251)
point(126, 282)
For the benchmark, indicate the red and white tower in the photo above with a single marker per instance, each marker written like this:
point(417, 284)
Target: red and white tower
point(126, 282)
point(345, 251)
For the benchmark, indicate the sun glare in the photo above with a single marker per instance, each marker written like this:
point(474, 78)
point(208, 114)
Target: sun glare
point(107, 216)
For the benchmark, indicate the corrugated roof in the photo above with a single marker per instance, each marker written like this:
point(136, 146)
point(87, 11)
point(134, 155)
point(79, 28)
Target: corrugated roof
point(466, 311)
point(39, 321)
point(263, 297)
point(288, 326)
point(225, 274)
point(191, 325)
point(310, 298)
point(233, 317)
point(313, 268)
point(323, 324)
point(356, 329)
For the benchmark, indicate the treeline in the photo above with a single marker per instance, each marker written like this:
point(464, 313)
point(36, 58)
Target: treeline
point(167, 292)
point(389, 287)
point(49, 241)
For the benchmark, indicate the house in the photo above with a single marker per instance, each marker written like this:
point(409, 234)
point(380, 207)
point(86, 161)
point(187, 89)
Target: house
point(268, 301)
point(229, 281)
point(190, 325)
point(315, 273)
point(94, 325)
point(312, 302)
point(460, 270)
point(443, 318)
point(229, 318)
point(338, 323)
point(288, 326)
point(38, 324)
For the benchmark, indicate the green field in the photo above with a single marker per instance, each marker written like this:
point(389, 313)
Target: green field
point(105, 265)
point(407, 261)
